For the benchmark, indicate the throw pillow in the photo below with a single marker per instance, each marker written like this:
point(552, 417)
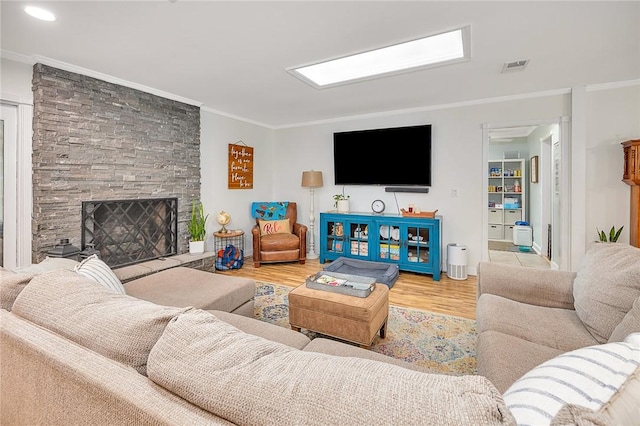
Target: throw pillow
point(95, 269)
point(268, 227)
point(48, 264)
point(590, 377)
point(606, 284)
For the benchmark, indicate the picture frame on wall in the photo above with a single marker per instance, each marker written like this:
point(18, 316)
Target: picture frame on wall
point(534, 169)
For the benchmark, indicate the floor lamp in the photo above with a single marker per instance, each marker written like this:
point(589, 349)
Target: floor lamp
point(312, 179)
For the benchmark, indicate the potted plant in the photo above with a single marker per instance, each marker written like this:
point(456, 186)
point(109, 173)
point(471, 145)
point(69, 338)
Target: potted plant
point(197, 228)
point(612, 237)
point(341, 203)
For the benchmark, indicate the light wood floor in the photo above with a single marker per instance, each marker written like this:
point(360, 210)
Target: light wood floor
point(447, 296)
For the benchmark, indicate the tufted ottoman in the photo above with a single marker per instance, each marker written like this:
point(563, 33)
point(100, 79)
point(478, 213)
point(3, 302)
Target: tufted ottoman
point(355, 319)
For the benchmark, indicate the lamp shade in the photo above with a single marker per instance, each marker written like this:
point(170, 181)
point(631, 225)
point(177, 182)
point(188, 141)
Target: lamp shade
point(311, 179)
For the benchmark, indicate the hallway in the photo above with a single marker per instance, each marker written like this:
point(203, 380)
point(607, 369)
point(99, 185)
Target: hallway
point(531, 260)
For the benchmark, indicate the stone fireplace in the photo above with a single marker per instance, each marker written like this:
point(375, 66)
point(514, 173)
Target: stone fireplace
point(131, 231)
point(94, 140)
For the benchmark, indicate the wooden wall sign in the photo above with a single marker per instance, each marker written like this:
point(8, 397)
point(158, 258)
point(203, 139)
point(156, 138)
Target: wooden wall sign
point(240, 166)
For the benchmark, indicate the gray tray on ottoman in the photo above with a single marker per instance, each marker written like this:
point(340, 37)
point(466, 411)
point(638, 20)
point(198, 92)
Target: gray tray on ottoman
point(384, 273)
point(352, 285)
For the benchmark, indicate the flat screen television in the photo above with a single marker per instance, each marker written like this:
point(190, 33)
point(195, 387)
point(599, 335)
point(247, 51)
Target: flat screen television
point(399, 156)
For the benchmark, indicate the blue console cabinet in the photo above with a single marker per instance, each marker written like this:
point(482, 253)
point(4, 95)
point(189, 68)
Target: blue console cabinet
point(413, 243)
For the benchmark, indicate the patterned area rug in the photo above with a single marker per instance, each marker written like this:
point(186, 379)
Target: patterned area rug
point(437, 343)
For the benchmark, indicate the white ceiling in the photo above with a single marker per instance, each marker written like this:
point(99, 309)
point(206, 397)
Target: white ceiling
point(232, 56)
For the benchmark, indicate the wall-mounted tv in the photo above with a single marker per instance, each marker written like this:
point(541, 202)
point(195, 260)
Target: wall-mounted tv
point(398, 156)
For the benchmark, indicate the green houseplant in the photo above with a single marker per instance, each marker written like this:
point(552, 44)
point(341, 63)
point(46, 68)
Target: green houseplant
point(197, 228)
point(341, 203)
point(612, 237)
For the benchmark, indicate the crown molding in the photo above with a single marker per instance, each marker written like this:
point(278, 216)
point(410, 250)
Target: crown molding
point(612, 85)
point(17, 57)
point(237, 117)
point(35, 59)
point(10, 98)
point(563, 91)
point(31, 60)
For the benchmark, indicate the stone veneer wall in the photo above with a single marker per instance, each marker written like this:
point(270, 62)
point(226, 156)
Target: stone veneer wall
point(94, 140)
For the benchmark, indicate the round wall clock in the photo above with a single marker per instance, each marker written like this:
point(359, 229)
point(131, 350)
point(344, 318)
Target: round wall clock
point(377, 206)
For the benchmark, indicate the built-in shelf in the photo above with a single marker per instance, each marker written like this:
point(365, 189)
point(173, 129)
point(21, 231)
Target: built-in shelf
point(507, 197)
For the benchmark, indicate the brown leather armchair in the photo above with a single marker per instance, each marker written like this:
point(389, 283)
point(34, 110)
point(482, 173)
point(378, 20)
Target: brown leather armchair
point(281, 247)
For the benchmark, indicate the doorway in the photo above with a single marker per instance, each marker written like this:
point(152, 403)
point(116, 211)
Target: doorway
point(531, 150)
point(15, 201)
point(9, 124)
point(1, 192)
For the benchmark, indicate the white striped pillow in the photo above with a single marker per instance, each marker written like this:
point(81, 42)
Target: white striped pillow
point(588, 377)
point(95, 269)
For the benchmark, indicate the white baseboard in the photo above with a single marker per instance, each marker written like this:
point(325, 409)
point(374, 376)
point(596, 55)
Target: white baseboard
point(537, 248)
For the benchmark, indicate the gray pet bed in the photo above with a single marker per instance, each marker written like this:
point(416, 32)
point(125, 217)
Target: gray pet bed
point(384, 273)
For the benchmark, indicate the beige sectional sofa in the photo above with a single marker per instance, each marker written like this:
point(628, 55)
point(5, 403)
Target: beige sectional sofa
point(527, 316)
point(543, 334)
point(75, 352)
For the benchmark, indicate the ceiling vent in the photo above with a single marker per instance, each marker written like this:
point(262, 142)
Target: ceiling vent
point(515, 66)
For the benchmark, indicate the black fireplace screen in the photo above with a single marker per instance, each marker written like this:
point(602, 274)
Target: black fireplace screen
point(131, 231)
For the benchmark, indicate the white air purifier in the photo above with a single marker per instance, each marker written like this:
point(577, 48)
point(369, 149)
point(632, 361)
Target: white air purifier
point(522, 235)
point(457, 261)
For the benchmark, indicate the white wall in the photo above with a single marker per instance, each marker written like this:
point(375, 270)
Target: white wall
point(534, 190)
point(457, 163)
point(518, 145)
point(281, 155)
point(613, 116)
point(16, 96)
point(15, 80)
point(216, 133)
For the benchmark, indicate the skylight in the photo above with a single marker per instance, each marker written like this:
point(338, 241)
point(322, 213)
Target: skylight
point(39, 13)
point(439, 49)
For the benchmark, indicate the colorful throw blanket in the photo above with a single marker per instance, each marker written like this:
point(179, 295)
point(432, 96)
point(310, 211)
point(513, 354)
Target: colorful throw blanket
point(269, 210)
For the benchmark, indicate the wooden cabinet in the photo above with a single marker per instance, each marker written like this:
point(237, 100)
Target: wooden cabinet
point(413, 243)
point(631, 176)
point(631, 173)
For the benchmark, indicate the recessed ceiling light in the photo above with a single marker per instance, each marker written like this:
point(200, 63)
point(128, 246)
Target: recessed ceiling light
point(39, 13)
point(439, 49)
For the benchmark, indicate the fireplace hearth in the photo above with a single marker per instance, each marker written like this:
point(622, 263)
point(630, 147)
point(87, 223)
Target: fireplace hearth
point(126, 232)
